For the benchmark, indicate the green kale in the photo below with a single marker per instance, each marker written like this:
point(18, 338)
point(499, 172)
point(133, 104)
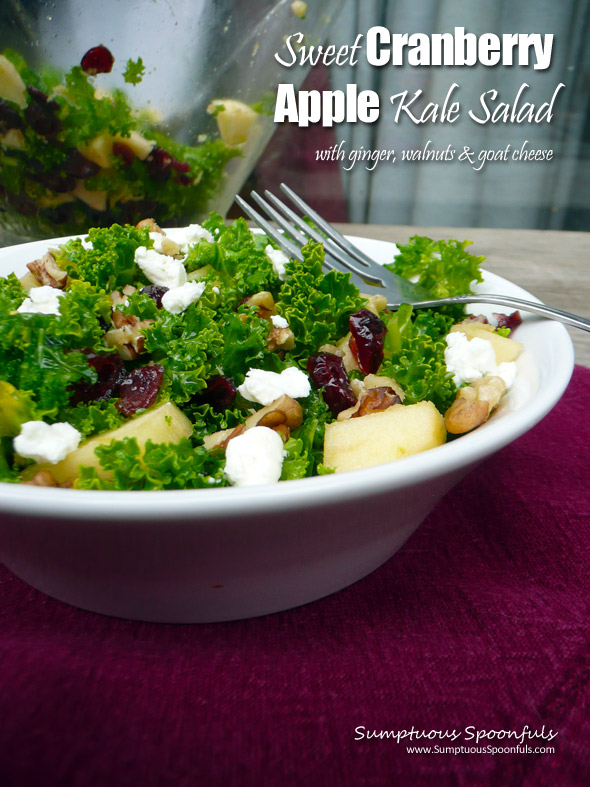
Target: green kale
point(443, 267)
point(305, 447)
point(93, 418)
point(182, 465)
point(110, 263)
point(316, 306)
point(414, 357)
point(134, 71)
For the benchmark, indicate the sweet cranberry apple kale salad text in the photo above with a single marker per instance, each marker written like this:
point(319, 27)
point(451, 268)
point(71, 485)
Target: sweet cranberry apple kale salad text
point(136, 358)
point(73, 155)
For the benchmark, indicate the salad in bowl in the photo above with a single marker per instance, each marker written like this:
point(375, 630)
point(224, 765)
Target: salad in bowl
point(137, 358)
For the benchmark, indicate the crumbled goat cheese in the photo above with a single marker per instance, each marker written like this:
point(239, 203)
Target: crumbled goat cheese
point(177, 299)
point(41, 300)
point(87, 244)
point(469, 359)
point(159, 268)
point(264, 387)
point(279, 259)
point(254, 457)
point(278, 321)
point(157, 239)
point(215, 290)
point(46, 442)
point(191, 234)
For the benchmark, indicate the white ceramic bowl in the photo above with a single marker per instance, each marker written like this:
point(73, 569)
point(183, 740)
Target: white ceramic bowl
point(224, 554)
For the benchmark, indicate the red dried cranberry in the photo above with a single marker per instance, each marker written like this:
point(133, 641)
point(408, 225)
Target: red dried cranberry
point(510, 321)
point(97, 60)
point(79, 166)
point(327, 371)
point(155, 292)
point(139, 389)
point(219, 393)
point(9, 117)
point(180, 166)
point(40, 113)
point(158, 164)
point(110, 370)
point(366, 343)
point(123, 151)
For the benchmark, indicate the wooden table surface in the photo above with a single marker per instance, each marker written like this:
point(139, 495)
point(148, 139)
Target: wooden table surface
point(552, 265)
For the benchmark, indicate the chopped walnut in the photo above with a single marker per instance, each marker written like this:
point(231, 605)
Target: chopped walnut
point(375, 400)
point(151, 224)
point(264, 302)
point(218, 440)
point(126, 335)
point(280, 339)
point(48, 273)
point(375, 303)
point(473, 404)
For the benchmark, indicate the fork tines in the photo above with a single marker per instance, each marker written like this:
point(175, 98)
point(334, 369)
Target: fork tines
point(295, 232)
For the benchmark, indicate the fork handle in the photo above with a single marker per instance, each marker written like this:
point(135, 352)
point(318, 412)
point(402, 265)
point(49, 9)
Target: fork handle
point(506, 300)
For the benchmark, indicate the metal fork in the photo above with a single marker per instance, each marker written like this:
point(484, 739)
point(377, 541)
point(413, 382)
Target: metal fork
point(342, 255)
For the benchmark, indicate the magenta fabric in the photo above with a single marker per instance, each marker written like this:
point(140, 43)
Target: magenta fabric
point(481, 621)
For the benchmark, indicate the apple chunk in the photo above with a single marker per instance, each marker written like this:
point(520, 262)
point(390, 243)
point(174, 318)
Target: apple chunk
point(376, 438)
point(162, 424)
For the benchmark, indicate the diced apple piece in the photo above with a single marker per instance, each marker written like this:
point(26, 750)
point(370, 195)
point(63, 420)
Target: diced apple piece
point(140, 146)
point(376, 438)
point(94, 199)
point(99, 150)
point(234, 121)
point(504, 348)
point(163, 424)
point(29, 281)
point(12, 86)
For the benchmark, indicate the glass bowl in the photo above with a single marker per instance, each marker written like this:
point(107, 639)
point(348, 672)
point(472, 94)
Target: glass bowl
point(170, 128)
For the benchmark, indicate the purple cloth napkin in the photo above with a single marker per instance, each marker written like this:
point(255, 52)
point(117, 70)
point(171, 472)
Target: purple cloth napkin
point(479, 624)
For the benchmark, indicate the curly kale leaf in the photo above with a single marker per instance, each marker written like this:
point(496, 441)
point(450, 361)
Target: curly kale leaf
point(188, 346)
point(305, 448)
point(443, 267)
point(316, 306)
point(414, 356)
point(181, 465)
point(110, 263)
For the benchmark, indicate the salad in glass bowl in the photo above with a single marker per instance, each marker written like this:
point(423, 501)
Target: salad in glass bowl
point(141, 359)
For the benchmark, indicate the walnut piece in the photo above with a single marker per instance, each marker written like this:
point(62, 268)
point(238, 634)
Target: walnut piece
point(281, 416)
point(48, 273)
point(473, 404)
point(151, 224)
point(126, 336)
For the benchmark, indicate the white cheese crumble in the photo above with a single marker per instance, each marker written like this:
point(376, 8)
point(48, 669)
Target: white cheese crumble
point(157, 239)
point(41, 300)
point(87, 244)
point(178, 299)
point(278, 321)
point(254, 457)
point(469, 359)
point(46, 442)
point(264, 387)
point(192, 234)
point(159, 268)
point(279, 259)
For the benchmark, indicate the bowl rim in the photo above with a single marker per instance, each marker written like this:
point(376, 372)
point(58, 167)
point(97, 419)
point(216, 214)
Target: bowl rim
point(230, 502)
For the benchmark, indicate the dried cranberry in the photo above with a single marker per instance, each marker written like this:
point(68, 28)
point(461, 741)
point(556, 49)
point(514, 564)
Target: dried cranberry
point(219, 393)
point(180, 166)
point(366, 343)
point(40, 113)
point(140, 389)
point(158, 164)
point(155, 292)
point(79, 166)
point(110, 371)
point(327, 371)
point(123, 151)
point(510, 321)
point(9, 117)
point(97, 60)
